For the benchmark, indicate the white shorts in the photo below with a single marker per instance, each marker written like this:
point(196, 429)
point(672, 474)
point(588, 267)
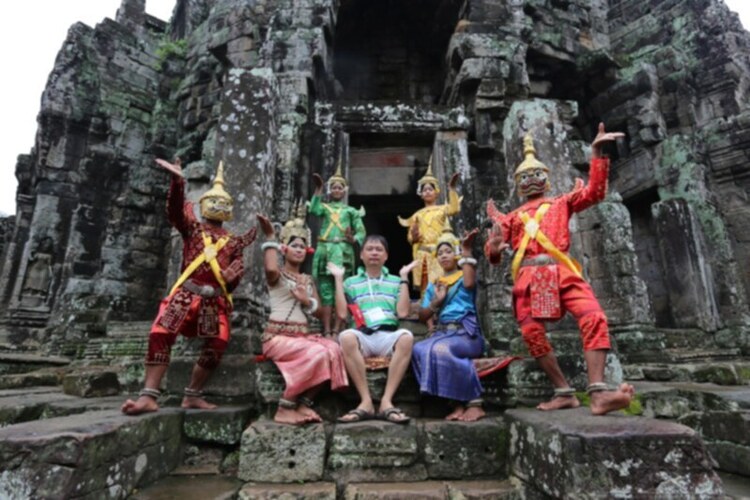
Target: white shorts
point(378, 343)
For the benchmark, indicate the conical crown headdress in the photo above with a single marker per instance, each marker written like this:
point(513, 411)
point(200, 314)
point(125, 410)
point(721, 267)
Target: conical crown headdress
point(217, 191)
point(428, 178)
point(530, 162)
point(337, 176)
point(448, 237)
point(295, 227)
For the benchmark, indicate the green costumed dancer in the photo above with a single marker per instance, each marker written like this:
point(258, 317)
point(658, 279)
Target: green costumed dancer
point(341, 228)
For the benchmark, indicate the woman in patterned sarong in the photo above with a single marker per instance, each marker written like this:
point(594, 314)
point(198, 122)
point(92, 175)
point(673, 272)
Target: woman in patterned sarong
point(443, 362)
point(306, 361)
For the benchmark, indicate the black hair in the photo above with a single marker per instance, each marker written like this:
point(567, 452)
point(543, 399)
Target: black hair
point(376, 237)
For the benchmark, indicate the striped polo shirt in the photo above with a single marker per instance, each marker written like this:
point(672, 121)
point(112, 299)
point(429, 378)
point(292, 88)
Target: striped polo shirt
point(370, 293)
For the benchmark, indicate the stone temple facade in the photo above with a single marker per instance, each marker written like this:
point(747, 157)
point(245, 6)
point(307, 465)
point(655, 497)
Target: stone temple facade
point(280, 89)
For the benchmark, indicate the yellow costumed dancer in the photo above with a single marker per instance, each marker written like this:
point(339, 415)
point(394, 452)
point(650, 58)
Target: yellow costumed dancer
point(426, 225)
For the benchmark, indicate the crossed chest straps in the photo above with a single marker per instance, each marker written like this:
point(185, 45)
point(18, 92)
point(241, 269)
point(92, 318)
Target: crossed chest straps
point(532, 232)
point(210, 251)
point(335, 214)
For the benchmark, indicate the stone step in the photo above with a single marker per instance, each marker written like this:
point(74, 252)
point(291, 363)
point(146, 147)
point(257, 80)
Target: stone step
point(439, 490)
point(102, 454)
point(27, 362)
point(573, 454)
point(43, 377)
point(718, 372)
point(373, 451)
point(687, 355)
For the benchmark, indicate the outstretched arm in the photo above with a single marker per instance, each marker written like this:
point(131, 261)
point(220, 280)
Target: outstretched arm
point(454, 204)
point(271, 251)
point(179, 213)
point(469, 266)
point(596, 189)
point(403, 304)
point(340, 299)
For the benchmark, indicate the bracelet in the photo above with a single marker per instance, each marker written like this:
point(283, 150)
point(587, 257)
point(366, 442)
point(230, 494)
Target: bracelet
point(271, 244)
point(312, 307)
point(404, 282)
point(432, 308)
point(467, 260)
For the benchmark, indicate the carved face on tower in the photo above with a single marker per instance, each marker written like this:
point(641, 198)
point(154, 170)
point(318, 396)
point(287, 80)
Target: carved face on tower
point(531, 176)
point(216, 204)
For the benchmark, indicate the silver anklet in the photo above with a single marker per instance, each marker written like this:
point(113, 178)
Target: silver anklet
point(475, 403)
point(151, 393)
point(192, 393)
point(596, 387)
point(565, 392)
point(287, 404)
point(306, 401)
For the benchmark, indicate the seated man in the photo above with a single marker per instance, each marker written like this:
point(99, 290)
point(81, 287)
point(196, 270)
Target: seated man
point(377, 300)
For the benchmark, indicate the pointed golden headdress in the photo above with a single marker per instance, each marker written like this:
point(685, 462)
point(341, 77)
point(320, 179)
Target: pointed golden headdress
point(338, 176)
point(449, 238)
point(530, 162)
point(295, 227)
point(428, 178)
point(223, 210)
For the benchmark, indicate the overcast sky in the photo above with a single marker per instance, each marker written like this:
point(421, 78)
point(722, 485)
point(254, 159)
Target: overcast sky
point(31, 33)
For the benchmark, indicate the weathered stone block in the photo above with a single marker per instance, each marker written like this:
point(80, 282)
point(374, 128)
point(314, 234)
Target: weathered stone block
point(278, 453)
point(483, 490)
point(98, 455)
point(232, 379)
point(91, 383)
point(731, 457)
point(311, 491)
point(375, 451)
point(577, 454)
point(427, 490)
point(223, 425)
point(456, 450)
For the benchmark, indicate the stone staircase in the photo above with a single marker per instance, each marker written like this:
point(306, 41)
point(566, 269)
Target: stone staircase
point(55, 444)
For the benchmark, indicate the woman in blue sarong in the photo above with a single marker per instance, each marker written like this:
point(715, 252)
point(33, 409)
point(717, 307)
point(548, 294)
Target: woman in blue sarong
point(443, 362)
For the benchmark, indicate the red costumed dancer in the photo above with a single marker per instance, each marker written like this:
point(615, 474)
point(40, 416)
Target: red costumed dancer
point(548, 282)
point(199, 303)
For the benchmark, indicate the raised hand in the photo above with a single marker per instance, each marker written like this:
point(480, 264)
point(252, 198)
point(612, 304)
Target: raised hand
point(601, 138)
point(175, 168)
point(467, 242)
point(266, 226)
point(404, 272)
point(440, 292)
point(299, 291)
point(496, 240)
point(454, 181)
point(336, 271)
point(415, 235)
point(318, 181)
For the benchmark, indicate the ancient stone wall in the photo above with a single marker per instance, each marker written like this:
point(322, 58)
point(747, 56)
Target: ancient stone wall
point(264, 87)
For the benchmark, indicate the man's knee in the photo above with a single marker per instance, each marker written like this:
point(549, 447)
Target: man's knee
point(159, 348)
point(405, 343)
point(348, 341)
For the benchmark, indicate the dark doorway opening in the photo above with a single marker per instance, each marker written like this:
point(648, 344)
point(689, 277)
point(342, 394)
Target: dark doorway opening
point(382, 218)
point(650, 267)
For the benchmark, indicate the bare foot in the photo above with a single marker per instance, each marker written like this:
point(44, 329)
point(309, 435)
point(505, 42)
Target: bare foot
point(310, 414)
point(143, 404)
point(288, 416)
point(603, 402)
point(559, 403)
point(456, 414)
point(472, 414)
point(197, 403)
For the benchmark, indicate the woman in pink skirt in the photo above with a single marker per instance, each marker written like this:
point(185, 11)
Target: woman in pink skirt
point(305, 361)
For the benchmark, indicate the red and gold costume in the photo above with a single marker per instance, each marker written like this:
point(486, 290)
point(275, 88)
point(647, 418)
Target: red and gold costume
point(547, 282)
point(200, 302)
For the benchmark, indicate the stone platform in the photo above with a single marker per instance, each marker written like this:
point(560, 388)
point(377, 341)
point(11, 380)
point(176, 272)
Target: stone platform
point(572, 454)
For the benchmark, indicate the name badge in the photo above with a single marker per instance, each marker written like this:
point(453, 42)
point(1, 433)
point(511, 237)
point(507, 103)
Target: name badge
point(375, 316)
